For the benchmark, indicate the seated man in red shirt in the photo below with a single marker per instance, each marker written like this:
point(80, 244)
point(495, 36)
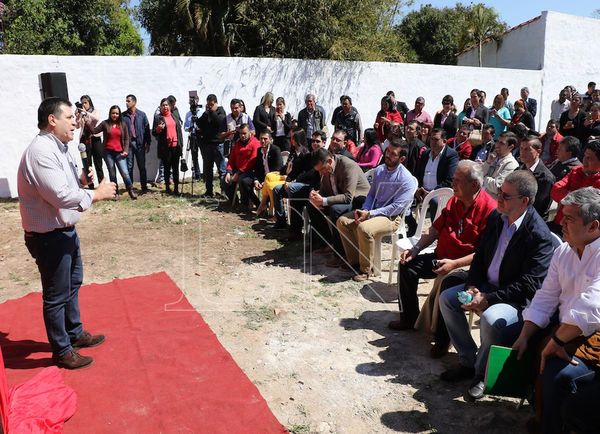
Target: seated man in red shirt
point(457, 231)
point(240, 168)
point(461, 142)
point(587, 175)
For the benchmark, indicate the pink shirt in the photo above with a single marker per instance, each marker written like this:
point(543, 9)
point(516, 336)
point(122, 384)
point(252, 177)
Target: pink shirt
point(171, 131)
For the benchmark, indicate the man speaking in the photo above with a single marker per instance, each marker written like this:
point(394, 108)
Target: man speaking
point(51, 199)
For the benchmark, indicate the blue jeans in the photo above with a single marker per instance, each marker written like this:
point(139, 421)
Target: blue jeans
point(297, 192)
point(58, 258)
point(559, 380)
point(500, 324)
point(137, 152)
point(112, 159)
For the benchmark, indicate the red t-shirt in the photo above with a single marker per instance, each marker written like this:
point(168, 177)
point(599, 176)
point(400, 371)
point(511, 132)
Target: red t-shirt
point(113, 138)
point(459, 229)
point(574, 180)
point(243, 156)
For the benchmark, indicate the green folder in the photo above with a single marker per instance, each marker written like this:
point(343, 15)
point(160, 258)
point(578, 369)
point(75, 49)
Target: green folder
point(507, 376)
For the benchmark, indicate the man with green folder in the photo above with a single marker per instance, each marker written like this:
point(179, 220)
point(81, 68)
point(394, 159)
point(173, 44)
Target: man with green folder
point(571, 358)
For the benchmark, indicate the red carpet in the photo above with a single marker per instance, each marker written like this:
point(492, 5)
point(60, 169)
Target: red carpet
point(158, 372)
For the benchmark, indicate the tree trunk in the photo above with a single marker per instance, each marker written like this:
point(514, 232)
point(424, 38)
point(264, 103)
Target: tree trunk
point(480, 53)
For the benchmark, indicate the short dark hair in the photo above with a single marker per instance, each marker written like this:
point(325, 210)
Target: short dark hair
point(321, 134)
point(50, 106)
point(591, 83)
point(242, 126)
point(448, 99)
point(400, 143)
point(552, 122)
point(131, 96)
point(299, 137)
point(439, 130)
point(320, 156)
point(345, 98)
point(211, 98)
point(172, 99)
point(511, 138)
point(573, 145)
point(344, 133)
point(504, 89)
point(418, 125)
point(390, 93)
point(489, 127)
point(594, 146)
point(265, 132)
point(535, 143)
point(235, 101)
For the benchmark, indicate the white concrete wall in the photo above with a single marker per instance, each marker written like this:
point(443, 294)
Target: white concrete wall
point(109, 79)
point(521, 48)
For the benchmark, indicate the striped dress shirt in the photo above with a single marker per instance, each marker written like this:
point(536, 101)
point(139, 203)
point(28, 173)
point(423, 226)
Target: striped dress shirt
point(50, 194)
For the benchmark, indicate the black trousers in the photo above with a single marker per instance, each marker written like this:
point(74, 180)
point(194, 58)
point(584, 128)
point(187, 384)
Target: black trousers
point(282, 142)
point(95, 153)
point(171, 163)
point(409, 274)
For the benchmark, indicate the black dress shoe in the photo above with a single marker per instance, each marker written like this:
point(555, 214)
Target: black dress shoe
point(401, 325)
point(458, 373)
point(72, 360)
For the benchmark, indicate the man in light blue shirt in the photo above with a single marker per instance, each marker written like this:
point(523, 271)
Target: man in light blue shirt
point(389, 197)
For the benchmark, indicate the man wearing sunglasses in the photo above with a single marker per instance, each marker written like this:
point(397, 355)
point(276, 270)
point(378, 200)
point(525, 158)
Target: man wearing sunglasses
point(509, 266)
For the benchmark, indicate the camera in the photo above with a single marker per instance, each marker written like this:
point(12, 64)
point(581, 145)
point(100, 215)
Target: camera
point(194, 106)
point(80, 109)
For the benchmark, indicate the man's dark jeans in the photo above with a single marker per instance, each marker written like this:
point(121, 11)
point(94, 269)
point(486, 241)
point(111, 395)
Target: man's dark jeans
point(212, 153)
point(58, 258)
point(137, 151)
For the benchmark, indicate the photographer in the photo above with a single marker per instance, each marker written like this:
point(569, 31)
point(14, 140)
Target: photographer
point(211, 146)
point(191, 126)
point(93, 142)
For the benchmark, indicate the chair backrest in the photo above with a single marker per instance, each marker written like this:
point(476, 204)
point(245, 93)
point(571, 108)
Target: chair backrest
point(442, 195)
point(284, 156)
point(370, 174)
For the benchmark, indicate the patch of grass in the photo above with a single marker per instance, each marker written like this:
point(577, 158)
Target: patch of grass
point(155, 218)
point(256, 315)
point(14, 277)
point(299, 429)
point(9, 204)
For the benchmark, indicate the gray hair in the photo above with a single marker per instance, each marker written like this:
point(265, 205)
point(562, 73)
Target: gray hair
point(587, 200)
point(525, 183)
point(473, 169)
point(310, 96)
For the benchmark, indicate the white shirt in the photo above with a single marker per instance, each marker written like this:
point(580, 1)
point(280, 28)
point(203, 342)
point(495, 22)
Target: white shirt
point(430, 177)
point(532, 168)
point(507, 233)
point(557, 109)
point(572, 285)
point(265, 159)
point(50, 195)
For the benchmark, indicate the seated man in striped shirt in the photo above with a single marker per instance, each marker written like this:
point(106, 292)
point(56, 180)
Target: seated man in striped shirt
point(389, 197)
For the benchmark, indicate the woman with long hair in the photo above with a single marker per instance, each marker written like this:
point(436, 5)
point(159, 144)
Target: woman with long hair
point(499, 116)
point(116, 146)
point(386, 116)
point(93, 142)
point(169, 144)
point(463, 113)
point(446, 118)
point(281, 125)
point(263, 114)
point(369, 154)
point(571, 121)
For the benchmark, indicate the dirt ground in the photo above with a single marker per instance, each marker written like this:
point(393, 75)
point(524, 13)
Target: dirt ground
point(313, 341)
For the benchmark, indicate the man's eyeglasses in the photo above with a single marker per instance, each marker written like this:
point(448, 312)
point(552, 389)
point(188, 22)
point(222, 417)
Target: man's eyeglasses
point(505, 196)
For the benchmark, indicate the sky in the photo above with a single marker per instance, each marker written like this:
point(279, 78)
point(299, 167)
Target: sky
point(510, 11)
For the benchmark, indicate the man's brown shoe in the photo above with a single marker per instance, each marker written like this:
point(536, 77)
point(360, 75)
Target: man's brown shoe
point(72, 360)
point(87, 340)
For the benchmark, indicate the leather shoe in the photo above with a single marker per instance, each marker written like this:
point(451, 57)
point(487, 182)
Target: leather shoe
point(72, 360)
point(438, 350)
point(475, 391)
point(458, 373)
point(87, 340)
point(401, 325)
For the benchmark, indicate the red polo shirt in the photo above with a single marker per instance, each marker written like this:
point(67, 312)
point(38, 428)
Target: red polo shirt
point(574, 180)
point(242, 157)
point(459, 228)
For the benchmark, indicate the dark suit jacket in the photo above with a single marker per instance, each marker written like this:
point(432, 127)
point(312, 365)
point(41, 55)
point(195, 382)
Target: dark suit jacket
point(525, 262)
point(545, 180)
point(482, 113)
point(446, 167)
point(262, 119)
point(303, 119)
point(350, 182)
point(346, 153)
point(531, 106)
point(414, 153)
point(287, 124)
point(274, 162)
point(450, 124)
point(560, 169)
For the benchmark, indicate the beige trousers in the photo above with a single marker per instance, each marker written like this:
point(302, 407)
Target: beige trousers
point(358, 239)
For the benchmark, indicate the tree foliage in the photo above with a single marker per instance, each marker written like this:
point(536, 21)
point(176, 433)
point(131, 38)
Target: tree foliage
point(438, 35)
point(62, 27)
point(330, 29)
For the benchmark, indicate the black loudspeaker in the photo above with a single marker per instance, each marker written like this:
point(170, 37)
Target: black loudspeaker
point(53, 84)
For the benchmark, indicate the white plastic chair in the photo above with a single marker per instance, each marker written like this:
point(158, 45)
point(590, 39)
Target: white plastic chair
point(442, 195)
point(284, 156)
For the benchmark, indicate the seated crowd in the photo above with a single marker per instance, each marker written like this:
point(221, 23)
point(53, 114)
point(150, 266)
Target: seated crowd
point(492, 240)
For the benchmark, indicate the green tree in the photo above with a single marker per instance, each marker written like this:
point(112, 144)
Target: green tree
point(330, 29)
point(63, 27)
point(438, 35)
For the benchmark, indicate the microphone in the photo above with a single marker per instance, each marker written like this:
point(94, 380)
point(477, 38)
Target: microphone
point(84, 160)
